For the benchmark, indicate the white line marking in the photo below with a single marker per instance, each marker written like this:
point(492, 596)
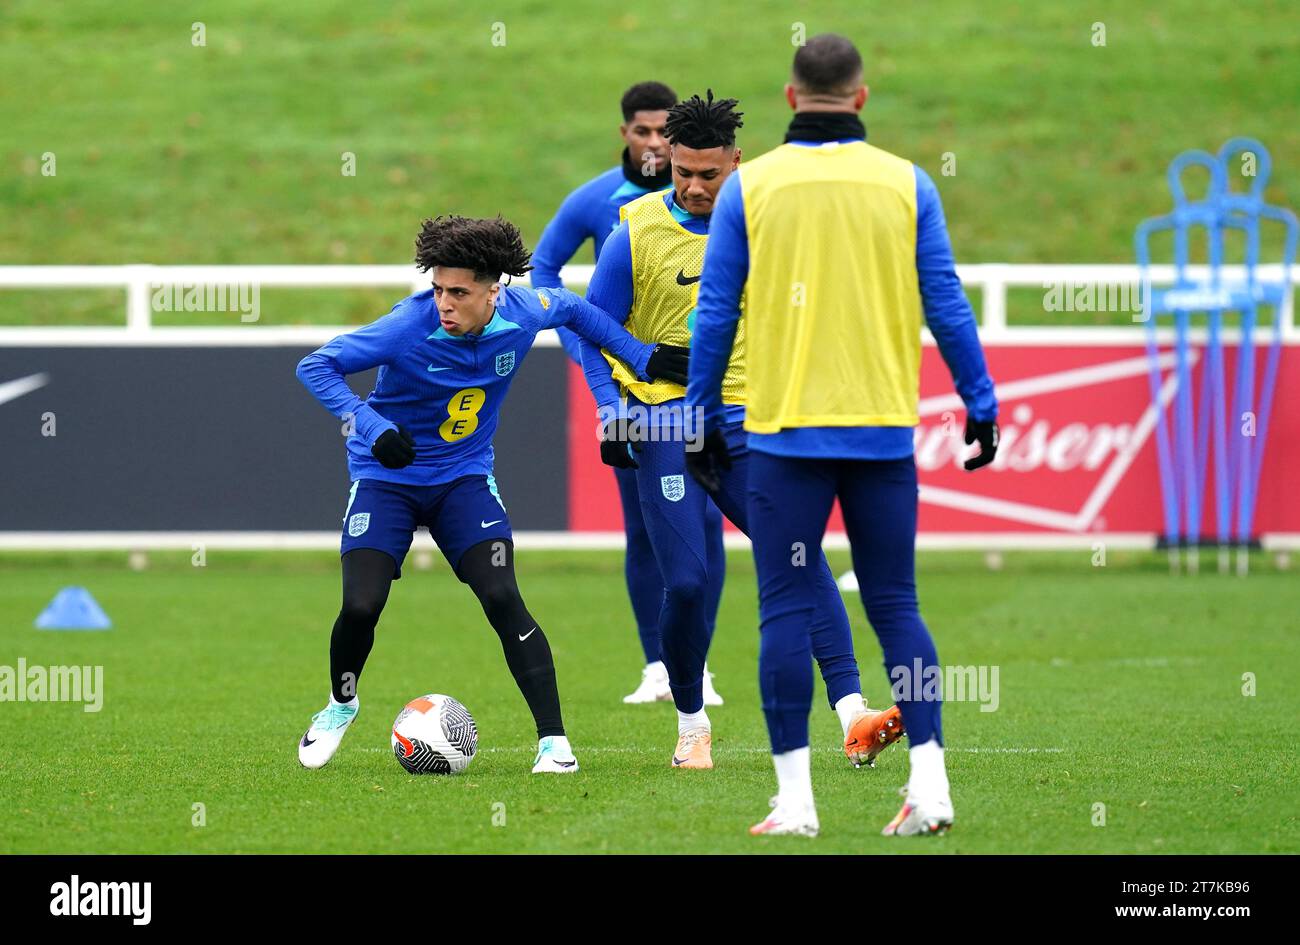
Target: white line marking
point(748, 750)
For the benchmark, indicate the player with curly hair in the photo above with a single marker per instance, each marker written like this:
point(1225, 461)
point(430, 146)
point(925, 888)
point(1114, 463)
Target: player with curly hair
point(420, 453)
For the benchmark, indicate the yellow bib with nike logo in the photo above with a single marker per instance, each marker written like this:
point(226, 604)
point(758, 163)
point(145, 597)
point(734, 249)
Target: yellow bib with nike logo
point(666, 263)
point(833, 314)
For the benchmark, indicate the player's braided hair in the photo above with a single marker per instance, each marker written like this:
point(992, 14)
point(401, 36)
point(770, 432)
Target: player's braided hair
point(489, 247)
point(700, 124)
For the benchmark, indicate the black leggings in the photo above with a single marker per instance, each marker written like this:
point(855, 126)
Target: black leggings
point(489, 570)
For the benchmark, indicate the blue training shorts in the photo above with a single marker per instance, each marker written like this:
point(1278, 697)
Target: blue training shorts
point(459, 515)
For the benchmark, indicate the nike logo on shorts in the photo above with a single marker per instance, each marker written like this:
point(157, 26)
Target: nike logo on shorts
point(483, 524)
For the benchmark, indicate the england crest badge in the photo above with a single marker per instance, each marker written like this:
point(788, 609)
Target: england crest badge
point(505, 363)
point(358, 523)
point(674, 487)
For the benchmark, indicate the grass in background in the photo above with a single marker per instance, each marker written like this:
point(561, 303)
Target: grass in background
point(231, 152)
point(1119, 686)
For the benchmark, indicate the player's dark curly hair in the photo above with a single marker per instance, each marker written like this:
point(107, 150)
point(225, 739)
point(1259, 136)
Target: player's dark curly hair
point(700, 124)
point(489, 247)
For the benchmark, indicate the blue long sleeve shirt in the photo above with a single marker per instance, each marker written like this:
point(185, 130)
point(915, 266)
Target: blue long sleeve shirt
point(446, 390)
point(947, 314)
point(589, 213)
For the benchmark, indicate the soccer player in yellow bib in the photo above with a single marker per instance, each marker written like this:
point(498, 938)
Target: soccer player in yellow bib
point(840, 249)
point(647, 278)
point(592, 213)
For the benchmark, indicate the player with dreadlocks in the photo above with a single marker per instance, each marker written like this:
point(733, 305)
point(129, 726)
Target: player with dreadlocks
point(648, 277)
point(420, 453)
point(591, 213)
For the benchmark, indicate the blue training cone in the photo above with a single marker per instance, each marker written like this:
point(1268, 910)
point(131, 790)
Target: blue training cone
point(73, 608)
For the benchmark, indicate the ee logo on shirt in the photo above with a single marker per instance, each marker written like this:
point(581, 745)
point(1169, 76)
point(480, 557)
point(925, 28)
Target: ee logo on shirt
point(462, 414)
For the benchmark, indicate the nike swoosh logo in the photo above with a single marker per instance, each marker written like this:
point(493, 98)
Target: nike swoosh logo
point(307, 741)
point(432, 368)
point(527, 635)
point(683, 280)
point(565, 764)
point(483, 524)
point(12, 390)
point(678, 762)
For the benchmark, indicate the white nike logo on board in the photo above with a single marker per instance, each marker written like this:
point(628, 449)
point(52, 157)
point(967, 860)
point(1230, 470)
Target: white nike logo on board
point(12, 390)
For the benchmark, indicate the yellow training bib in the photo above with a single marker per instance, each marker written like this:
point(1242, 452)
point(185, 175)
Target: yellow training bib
point(833, 314)
point(666, 263)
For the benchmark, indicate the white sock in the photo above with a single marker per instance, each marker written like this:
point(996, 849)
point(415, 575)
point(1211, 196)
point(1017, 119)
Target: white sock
point(657, 668)
point(848, 707)
point(689, 720)
point(928, 779)
point(794, 776)
point(333, 701)
point(560, 743)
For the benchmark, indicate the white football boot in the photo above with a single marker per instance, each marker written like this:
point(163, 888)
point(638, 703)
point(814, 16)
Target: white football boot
point(711, 696)
point(927, 808)
point(921, 818)
point(554, 756)
point(328, 726)
point(654, 686)
point(799, 819)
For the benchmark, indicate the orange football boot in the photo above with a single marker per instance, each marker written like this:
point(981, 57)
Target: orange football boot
point(694, 749)
point(870, 733)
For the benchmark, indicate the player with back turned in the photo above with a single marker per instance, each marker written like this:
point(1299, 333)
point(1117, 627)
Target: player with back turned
point(647, 278)
point(421, 453)
point(840, 249)
point(591, 213)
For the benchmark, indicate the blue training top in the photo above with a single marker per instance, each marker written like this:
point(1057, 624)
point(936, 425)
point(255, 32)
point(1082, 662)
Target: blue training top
point(611, 291)
point(589, 213)
point(447, 390)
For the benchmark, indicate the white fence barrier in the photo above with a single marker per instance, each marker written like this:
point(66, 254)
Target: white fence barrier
point(141, 281)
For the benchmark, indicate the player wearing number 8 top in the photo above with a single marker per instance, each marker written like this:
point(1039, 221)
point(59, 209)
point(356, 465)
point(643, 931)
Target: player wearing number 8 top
point(421, 453)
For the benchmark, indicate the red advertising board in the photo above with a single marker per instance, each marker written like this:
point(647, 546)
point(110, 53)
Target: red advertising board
point(1078, 453)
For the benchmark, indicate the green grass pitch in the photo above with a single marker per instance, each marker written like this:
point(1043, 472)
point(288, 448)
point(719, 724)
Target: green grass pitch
point(1119, 685)
point(230, 152)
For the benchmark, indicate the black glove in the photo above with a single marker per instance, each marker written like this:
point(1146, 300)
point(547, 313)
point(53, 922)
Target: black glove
point(706, 463)
point(617, 444)
point(668, 363)
point(394, 448)
point(986, 431)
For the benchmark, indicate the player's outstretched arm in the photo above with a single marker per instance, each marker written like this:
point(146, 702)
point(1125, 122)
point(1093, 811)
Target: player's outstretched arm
point(651, 362)
point(952, 322)
point(323, 371)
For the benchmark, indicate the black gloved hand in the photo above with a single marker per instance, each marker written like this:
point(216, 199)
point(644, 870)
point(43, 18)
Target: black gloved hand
point(708, 462)
point(394, 448)
point(986, 432)
point(668, 363)
point(617, 444)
